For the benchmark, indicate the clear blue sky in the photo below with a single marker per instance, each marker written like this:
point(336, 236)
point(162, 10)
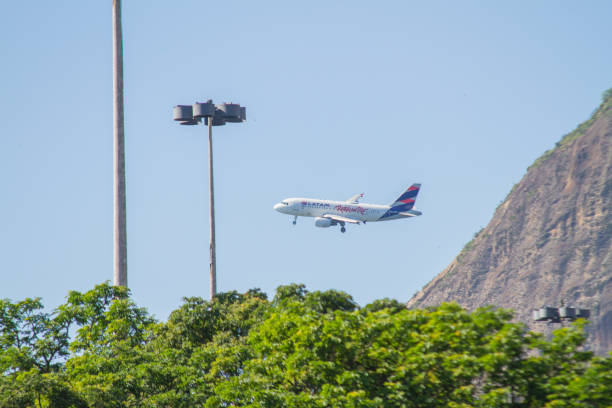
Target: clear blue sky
point(342, 97)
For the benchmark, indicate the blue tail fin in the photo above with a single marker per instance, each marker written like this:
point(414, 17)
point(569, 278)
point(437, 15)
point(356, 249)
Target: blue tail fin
point(406, 201)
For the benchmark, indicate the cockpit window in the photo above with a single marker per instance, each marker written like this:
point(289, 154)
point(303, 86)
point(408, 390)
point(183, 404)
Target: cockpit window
point(284, 203)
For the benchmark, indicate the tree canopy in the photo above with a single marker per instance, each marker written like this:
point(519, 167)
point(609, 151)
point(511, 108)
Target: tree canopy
point(300, 349)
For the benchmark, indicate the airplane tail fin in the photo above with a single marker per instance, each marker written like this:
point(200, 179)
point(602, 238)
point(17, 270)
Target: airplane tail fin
point(405, 202)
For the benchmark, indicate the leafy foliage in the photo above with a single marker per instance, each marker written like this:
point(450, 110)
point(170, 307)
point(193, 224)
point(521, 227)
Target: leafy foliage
point(606, 96)
point(302, 349)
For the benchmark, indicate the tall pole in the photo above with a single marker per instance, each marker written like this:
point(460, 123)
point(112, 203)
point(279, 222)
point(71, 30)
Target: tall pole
point(214, 115)
point(120, 235)
point(211, 193)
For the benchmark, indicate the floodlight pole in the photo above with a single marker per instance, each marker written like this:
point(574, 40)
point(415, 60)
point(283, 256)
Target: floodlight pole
point(212, 115)
point(211, 194)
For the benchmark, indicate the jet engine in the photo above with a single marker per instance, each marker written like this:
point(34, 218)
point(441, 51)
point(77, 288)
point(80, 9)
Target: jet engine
point(323, 222)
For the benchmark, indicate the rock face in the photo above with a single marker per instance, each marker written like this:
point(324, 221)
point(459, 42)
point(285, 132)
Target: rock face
point(549, 242)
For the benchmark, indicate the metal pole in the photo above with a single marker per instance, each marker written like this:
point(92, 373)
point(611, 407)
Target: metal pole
point(213, 261)
point(120, 235)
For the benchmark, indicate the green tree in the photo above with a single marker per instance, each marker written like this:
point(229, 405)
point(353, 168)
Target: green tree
point(107, 349)
point(302, 349)
point(33, 347)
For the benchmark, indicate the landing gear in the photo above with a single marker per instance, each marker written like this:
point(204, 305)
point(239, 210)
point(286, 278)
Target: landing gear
point(295, 220)
point(342, 229)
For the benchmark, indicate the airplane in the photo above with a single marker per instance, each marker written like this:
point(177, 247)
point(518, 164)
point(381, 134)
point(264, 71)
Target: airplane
point(329, 213)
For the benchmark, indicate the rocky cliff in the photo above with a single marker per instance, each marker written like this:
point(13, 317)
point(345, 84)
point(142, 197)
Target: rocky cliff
point(550, 241)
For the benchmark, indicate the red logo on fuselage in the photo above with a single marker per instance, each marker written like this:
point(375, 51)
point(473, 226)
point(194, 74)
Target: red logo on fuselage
point(349, 209)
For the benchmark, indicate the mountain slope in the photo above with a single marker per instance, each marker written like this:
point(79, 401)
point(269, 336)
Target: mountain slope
point(549, 241)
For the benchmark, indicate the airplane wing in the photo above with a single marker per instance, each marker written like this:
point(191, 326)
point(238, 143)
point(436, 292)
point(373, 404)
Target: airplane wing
point(341, 219)
point(355, 199)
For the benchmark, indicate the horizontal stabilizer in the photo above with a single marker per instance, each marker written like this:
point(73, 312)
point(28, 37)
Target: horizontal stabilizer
point(411, 213)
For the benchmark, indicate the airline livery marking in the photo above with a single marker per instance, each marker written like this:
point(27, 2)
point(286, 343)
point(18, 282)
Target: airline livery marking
point(347, 209)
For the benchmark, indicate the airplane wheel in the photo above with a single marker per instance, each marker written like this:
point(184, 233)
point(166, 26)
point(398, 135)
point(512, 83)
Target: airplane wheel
point(342, 229)
point(294, 222)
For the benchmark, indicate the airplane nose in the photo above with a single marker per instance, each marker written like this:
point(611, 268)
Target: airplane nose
point(277, 206)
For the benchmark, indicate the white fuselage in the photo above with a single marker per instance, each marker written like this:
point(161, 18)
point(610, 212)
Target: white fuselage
point(328, 213)
point(310, 207)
